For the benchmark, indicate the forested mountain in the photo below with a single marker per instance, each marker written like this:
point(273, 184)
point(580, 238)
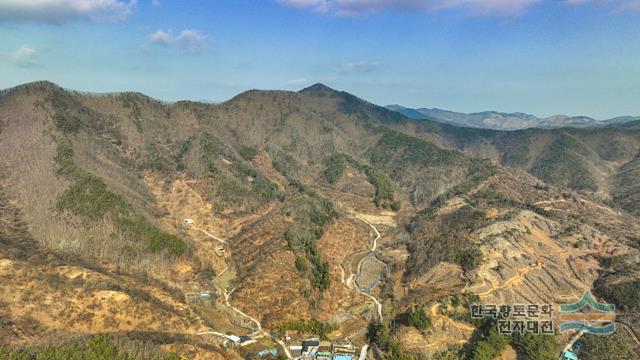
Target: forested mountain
point(160, 221)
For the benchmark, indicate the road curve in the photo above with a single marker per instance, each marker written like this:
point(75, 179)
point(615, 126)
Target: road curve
point(374, 246)
point(259, 331)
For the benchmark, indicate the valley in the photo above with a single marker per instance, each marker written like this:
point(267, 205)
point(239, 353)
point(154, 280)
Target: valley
point(225, 231)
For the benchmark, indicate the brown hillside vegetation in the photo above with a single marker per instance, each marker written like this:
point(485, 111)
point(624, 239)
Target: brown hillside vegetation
point(118, 210)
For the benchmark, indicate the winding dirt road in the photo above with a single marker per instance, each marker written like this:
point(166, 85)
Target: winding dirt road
point(259, 332)
point(209, 235)
point(514, 280)
point(436, 316)
point(374, 246)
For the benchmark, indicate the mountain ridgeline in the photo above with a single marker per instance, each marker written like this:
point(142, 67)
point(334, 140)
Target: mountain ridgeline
point(506, 121)
point(118, 208)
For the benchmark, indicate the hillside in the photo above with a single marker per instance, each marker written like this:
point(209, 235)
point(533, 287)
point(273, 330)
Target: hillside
point(311, 213)
point(586, 160)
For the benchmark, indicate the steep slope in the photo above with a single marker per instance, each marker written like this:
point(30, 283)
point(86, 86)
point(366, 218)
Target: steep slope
point(627, 190)
point(511, 240)
point(582, 159)
point(110, 178)
point(249, 216)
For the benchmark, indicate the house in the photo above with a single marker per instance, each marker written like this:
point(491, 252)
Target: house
point(343, 357)
point(344, 348)
point(569, 355)
point(246, 340)
point(310, 347)
point(234, 339)
point(265, 352)
point(187, 221)
point(324, 351)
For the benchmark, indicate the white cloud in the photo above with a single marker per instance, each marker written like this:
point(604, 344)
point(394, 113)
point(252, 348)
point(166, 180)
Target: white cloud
point(617, 5)
point(629, 5)
point(60, 11)
point(297, 81)
point(189, 40)
point(363, 7)
point(161, 37)
point(25, 56)
point(360, 66)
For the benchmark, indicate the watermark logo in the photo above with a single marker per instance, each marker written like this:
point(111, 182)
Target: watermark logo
point(536, 319)
point(599, 320)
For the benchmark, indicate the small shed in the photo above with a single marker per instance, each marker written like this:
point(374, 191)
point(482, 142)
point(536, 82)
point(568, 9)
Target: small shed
point(265, 352)
point(310, 343)
point(246, 340)
point(569, 355)
point(187, 221)
point(234, 339)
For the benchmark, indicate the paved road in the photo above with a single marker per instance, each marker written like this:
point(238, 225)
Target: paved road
point(574, 339)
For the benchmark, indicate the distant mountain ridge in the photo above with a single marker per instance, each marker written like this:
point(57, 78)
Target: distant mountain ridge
point(505, 121)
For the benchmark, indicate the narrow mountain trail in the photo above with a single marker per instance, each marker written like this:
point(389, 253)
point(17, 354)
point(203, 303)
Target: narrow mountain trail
point(209, 235)
point(259, 332)
point(342, 193)
point(435, 315)
point(514, 280)
point(221, 273)
point(630, 331)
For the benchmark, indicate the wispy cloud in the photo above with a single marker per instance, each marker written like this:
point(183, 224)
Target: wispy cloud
point(25, 56)
point(363, 7)
point(617, 6)
point(359, 66)
point(61, 11)
point(188, 40)
point(629, 5)
point(297, 81)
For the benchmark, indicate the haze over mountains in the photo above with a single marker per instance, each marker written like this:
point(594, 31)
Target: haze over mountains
point(163, 228)
point(505, 121)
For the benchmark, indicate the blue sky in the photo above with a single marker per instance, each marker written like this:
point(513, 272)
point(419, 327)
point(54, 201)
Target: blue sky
point(575, 57)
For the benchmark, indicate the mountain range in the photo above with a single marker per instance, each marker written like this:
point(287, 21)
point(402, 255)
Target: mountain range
point(505, 121)
point(155, 230)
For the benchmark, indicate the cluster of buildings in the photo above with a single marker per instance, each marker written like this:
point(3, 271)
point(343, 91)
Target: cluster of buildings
point(326, 350)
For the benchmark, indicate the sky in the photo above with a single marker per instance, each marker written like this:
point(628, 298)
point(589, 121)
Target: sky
point(544, 57)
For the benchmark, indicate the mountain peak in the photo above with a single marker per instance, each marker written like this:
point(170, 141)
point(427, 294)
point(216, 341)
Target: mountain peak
point(40, 85)
point(318, 89)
